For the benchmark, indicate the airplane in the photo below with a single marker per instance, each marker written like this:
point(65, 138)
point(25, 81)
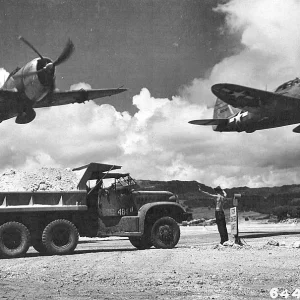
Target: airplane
point(33, 86)
point(239, 108)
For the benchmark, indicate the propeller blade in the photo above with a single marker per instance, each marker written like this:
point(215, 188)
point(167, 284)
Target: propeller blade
point(30, 46)
point(27, 74)
point(65, 55)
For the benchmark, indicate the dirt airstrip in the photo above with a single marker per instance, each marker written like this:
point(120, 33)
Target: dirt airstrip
point(114, 269)
point(196, 269)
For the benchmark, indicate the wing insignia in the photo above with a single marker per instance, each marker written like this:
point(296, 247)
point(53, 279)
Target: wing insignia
point(250, 99)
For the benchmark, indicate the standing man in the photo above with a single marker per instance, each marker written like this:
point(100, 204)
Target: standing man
point(219, 198)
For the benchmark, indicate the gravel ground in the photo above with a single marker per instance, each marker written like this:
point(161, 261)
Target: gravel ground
point(116, 270)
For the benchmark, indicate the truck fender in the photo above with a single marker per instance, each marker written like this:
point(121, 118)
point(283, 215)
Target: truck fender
point(174, 207)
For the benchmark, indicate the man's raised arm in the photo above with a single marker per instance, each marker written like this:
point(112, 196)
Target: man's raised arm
point(208, 194)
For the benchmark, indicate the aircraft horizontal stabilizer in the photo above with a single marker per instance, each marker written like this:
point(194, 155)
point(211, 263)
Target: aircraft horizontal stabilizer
point(209, 122)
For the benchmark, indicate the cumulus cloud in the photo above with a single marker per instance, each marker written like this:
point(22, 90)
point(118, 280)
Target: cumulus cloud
point(79, 86)
point(157, 142)
point(269, 56)
point(76, 134)
point(3, 76)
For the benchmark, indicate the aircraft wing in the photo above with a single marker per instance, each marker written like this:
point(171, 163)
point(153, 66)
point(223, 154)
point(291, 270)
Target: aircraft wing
point(8, 95)
point(209, 122)
point(9, 104)
point(251, 99)
point(76, 96)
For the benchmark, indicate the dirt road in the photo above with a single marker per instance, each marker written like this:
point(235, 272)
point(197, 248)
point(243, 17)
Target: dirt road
point(113, 269)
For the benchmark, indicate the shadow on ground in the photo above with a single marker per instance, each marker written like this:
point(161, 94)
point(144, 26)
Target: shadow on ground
point(254, 235)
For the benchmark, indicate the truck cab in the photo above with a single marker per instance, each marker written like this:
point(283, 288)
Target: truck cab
point(123, 209)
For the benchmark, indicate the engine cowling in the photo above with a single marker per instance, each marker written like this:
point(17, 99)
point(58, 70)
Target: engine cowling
point(34, 86)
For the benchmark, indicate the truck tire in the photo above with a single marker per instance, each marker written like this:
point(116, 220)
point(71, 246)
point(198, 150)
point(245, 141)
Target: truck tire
point(142, 242)
point(36, 240)
point(38, 245)
point(60, 237)
point(14, 239)
point(165, 233)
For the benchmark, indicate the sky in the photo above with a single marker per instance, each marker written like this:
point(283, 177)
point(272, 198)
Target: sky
point(168, 54)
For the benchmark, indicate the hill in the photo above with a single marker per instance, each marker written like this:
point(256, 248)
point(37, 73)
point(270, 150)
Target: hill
point(263, 200)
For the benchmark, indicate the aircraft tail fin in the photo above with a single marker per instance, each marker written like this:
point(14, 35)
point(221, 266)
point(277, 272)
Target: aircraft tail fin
point(223, 110)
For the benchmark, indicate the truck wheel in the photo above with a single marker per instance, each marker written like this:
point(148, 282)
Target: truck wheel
point(165, 233)
point(14, 239)
point(140, 242)
point(60, 237)
point(38, 245)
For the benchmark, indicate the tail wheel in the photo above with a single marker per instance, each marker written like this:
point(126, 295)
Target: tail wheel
point(165, 233)
point(14, 239)
point(60, 237)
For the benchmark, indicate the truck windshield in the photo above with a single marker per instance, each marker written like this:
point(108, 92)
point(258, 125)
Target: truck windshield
point(126, 181)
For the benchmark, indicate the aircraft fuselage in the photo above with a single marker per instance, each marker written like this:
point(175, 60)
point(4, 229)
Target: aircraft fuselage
point(258, 112)
point(250, 122)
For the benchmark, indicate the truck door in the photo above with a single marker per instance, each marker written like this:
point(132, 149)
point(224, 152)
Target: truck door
point(115, 202)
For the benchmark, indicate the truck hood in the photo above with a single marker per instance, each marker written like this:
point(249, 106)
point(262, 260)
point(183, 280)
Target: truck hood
point(154, 196)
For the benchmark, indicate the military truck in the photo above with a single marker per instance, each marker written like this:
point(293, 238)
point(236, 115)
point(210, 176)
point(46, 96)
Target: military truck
point(52, 221)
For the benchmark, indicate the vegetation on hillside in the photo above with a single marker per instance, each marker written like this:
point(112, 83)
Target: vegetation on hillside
point(282, 201)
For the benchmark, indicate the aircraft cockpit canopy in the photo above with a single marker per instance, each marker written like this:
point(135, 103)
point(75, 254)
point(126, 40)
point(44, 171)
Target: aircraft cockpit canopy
point(288, 84)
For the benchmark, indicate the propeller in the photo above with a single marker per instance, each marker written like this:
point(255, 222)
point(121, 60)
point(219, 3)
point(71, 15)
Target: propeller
point(66, 53)
point(30, 46)
point(49, 66)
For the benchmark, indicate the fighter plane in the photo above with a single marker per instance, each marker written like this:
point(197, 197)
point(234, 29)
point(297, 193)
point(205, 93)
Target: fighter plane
point(33, 86)
point(240, 108)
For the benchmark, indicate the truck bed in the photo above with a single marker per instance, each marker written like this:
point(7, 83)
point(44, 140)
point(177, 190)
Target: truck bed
point(42, 201)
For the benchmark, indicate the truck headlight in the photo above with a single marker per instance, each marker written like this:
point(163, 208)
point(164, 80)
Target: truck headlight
point(174, 198)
